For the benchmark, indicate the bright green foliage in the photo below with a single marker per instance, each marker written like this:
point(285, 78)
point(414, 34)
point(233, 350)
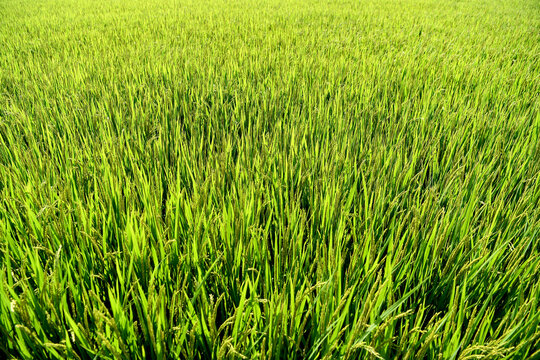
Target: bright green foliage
point(269, 179)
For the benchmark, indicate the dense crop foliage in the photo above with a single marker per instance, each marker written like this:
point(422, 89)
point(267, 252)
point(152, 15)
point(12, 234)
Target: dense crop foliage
point(269, 179)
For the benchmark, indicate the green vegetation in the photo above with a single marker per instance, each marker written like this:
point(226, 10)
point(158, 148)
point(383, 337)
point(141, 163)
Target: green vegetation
point(269, 179)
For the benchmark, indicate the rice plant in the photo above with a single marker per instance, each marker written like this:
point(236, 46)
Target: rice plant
point(269, 179)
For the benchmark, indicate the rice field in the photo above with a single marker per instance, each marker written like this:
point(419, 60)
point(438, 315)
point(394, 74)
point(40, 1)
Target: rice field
point(269, 179)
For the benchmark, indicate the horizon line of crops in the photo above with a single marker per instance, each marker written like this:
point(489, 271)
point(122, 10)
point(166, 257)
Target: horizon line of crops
point(269, 179)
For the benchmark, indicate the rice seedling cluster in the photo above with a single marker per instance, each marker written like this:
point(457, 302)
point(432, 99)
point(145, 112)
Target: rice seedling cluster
point(269, 179)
